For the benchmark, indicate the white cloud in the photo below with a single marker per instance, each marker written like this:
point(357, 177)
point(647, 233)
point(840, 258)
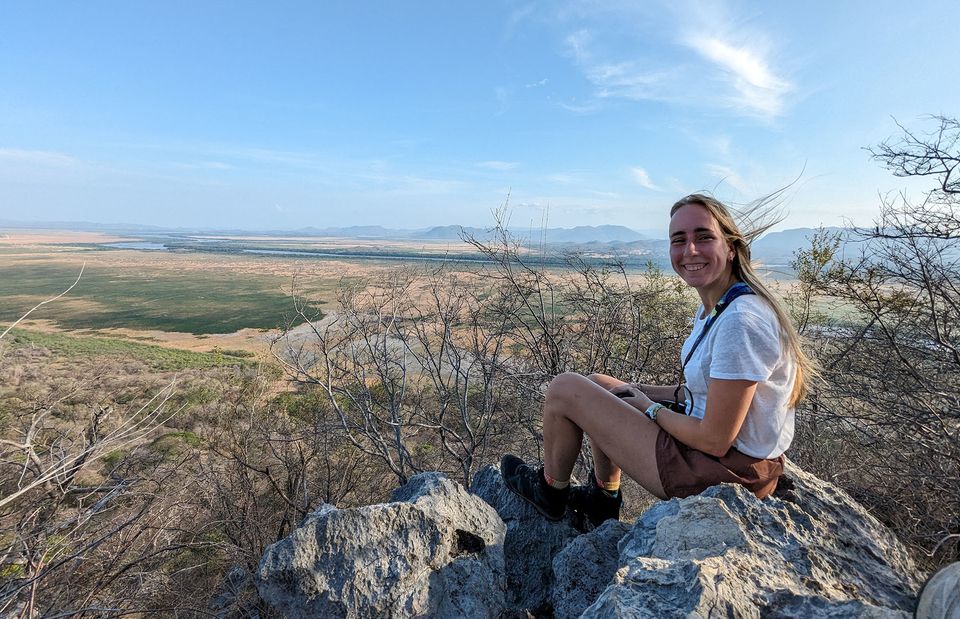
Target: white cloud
point(605, 194)
point(36, 157)
point(205, 165)
point(563, 178)
point(216, 165)
point(497, 165)
point(537, 84)
point(728, 175)
point(758, 89)
point(731, 68)
point(641, 177)
point(578, 44)
point(719, 144)
point(586, 108)
point(516, 18)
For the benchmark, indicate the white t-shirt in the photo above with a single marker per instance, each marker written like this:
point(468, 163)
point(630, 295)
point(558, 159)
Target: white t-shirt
point(745, 343)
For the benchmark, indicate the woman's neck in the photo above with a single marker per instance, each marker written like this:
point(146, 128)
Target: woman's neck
point(711, 295)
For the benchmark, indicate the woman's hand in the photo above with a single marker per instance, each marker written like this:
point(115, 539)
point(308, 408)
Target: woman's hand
point(727, 404)
point(632, 395)
point(625, 390)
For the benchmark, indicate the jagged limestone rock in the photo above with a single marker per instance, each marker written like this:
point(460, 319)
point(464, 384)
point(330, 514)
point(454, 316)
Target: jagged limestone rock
point(584, 568)
point(436, 551)
point(530, 545)
point(940, 598)
point(811, 552)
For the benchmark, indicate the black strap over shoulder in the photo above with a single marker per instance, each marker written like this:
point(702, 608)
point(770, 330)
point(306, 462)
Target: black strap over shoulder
point(737, 290)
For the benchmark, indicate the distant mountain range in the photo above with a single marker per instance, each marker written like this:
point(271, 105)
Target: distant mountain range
point(579, 234)
point(774, 249)
point(778, 248)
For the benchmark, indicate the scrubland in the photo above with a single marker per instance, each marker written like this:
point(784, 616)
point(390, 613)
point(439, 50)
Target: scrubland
point(139, 469)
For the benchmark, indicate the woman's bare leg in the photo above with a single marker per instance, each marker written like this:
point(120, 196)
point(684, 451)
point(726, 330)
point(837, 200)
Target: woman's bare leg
point(603, 467)
point(576, 405)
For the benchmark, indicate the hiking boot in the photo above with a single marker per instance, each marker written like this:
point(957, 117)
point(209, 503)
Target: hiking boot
point(528, 483)
point(596, 505)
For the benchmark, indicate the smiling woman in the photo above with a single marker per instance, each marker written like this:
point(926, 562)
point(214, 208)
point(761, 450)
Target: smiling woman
point(744, 372)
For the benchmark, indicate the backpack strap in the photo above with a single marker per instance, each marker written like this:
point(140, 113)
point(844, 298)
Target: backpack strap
point(737, 290)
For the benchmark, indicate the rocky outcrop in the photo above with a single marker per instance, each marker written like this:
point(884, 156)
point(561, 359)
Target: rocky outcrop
point(811, 552)
point(940, 598)
point(530, 544)
point(584, 568)
point(435, 551)
point(439, 551)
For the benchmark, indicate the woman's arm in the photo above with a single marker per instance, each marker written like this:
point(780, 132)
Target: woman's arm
point(659, 392)
point(654, 392)
point(727, 404)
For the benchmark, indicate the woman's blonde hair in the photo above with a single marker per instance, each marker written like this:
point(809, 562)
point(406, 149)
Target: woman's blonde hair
point(757, 218)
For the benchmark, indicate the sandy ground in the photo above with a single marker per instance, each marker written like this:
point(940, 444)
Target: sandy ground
point(252, 340)
point(45, 237)
point(423, 246)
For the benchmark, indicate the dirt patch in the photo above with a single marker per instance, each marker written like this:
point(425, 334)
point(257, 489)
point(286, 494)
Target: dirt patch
point(49, 237)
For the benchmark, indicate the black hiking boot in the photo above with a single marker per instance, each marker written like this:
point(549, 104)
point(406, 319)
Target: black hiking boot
point(593, 503)
point(528, 483)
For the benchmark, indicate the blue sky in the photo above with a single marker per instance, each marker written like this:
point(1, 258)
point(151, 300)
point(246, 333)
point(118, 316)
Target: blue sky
point(409, 114)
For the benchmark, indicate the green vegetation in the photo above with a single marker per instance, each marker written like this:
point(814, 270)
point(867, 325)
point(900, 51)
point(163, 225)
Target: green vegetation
point(156, 357)
point(174, 443)
point(189, 301)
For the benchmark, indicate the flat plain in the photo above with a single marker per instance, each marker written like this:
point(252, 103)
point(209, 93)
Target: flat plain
point(196, 301)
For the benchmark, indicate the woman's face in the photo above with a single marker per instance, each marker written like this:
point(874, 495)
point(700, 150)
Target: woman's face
point(699, 253)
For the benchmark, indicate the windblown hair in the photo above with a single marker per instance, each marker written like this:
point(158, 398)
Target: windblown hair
point(756, 218)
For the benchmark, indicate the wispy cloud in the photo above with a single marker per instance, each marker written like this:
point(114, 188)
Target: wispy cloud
point(36, 157)
point(409, 185)
point(538, 83)
point(497, 165)
point(732, 68)
point(612, 195)
point(502, 96)
point(614, 78)
point(516, 18)
point(755, 87)
point(641, 178)
point(717, 145)
point(205, 165)
point(585, 108)
point(728, 175)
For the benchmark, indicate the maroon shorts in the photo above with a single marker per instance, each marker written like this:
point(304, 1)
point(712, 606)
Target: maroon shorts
point(685, 471)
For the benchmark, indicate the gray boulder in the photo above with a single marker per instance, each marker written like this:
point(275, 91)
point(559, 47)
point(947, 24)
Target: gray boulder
point(584, 568)
point(811, 551)
point(530, 545)
point(435, 551)
point(940, 598)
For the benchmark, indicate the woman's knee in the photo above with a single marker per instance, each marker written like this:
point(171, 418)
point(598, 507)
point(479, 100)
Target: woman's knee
point(566, 388)
point(607, 382)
